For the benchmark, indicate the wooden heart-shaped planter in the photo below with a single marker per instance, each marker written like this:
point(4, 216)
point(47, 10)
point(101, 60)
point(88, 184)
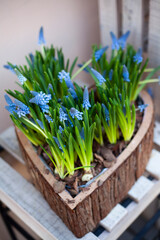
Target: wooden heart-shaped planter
point(82, 213)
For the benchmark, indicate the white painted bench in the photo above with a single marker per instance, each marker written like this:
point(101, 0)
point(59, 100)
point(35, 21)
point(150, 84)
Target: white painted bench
point(28, 204)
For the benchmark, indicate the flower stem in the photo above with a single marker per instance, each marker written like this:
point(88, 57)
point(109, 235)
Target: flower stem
point(79, 70)
point(43, 51)
point(148, 69)
point(149, 81)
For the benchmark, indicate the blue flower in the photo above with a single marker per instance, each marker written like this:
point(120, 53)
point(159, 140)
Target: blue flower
point(104, 73)
point(84, 69)
point(121, 42)
point(106, 112)
point(32, 58)
point(18, 107)
point(64, 76)
point(41, 99)
point(142, 107)
point(40, 123)
point(75, 113)
point(62, 115)
point(69, 84)
point(49, 119)
point(61, 129)
point(21, 78)
point(11, 106)
point(98, 54)
point(10, 68)
point(100, 78)
point(72, 92)
point(41, 39)
point(125, 74)
point(124, 109)
point(110, 74)
point(57, 142)
point(115, 44)
point(86, 104)
point(82, 133)
point(138, 57)
point(50, 87)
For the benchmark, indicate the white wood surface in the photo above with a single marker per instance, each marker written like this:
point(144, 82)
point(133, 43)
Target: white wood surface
point(140, 188)
point(132, 19)
point(29, 205)
point(153, 166)
point(108, 20)
point(8, 141)
point(134, 210)
point(114, 217)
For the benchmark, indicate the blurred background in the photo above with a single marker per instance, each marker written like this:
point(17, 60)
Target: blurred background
point(71, 24)
point(74, 25)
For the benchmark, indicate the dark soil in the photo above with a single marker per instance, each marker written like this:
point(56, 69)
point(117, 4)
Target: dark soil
point(104, 157)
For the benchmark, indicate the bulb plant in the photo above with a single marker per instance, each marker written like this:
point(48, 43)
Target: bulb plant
point(55, 110)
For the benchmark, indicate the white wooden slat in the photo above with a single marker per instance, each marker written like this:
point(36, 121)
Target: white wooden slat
point(157, 133)
point(153, 166)
point(114, 217)
point(29, 205)
point(154, 32)
point(140, 188)
point(154, 47)
point(108, 20)
point(132, 19)
point(134, 210)
point(8, 141)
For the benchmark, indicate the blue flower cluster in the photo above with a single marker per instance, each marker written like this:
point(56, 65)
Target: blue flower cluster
point(17, 107)
point(99, 77)
point(125, 74)
point(121, 42)
point(41, 39)
point(138, 57)
point(142, 107)
point(75, 113)
point(63, 75)
point(41, 99)
point(86, 104)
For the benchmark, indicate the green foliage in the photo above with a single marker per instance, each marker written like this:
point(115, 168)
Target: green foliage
point(69, 120)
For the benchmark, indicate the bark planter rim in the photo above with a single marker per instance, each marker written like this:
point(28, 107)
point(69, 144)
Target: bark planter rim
point(66, 198)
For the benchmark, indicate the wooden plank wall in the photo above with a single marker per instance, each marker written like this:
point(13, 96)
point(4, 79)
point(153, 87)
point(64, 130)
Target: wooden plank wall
point(142, 18)
point(154, 47)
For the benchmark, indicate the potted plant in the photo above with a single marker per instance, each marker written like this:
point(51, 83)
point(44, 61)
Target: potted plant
point(84, 148)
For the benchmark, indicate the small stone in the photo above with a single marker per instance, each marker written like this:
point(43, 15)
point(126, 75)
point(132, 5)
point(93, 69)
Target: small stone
point(108, 164)
point(107, 154)
point(99, 183)
point(87, 176)
point(59, 186)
